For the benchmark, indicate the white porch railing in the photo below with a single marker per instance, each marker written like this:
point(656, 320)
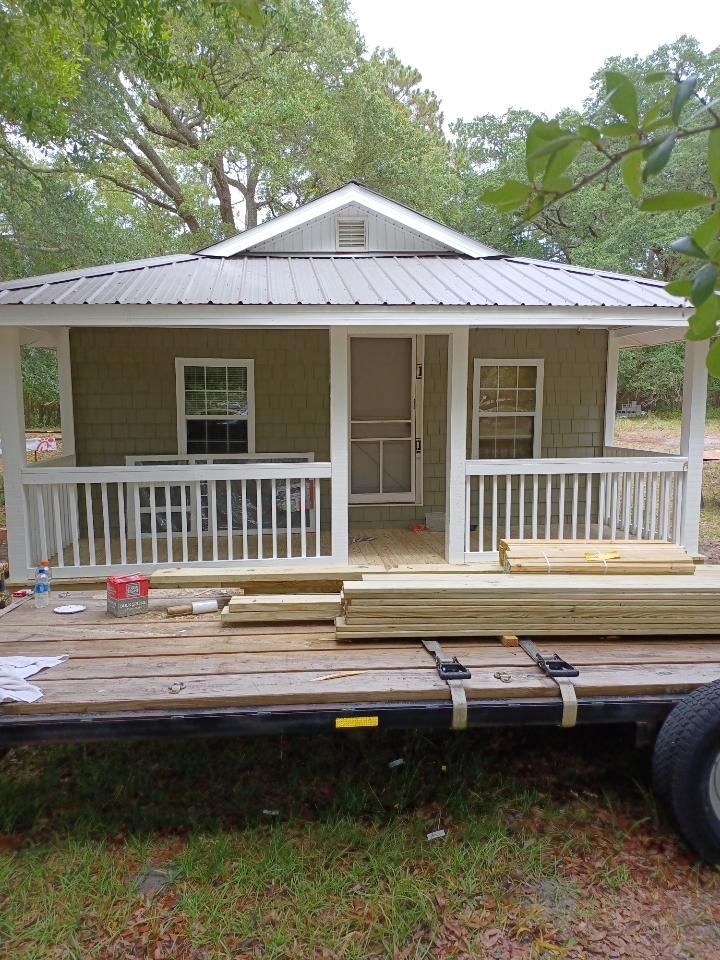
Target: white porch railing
point(593, 498)
point(97, 520)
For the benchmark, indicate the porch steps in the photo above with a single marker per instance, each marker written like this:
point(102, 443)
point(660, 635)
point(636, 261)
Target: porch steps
point(594, 557)
point(531, 605)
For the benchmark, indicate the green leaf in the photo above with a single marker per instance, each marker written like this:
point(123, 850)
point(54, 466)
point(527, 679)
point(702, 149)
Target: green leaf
point(510, 196)
point(657, 156)
point(683, 91)
point(658, 76)
point(708, 230)
point(559, 162)
point(617, 129)
point(589, 133)
point(703, 323)
point(675, 200)
point(713, 359)
point(714, 158)
point(704, 283)
point(630, 167)
point(622, 95)
point(688, 247)
point(534, 207)
point(679, 288)
point(542, 134)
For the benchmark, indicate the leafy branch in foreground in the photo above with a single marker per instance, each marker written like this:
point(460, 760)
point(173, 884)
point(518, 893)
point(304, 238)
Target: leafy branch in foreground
point(637, 135)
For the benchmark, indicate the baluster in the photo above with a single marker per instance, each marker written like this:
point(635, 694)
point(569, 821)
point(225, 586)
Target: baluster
point(197, 494)
point(168, 524)
point(316, 489)
point(601, 508)
point(493, 534)
point(259, 517)
point(665, 507)
point(627, 505)
point(561, 508)
point(228, 512)
point(614, 506)
point(138, 525)
point(508, 504)
point(535, 507)
point(58, 526)
point(75, 526)
point(588, 504)
point(575, 498)
point(303, 522)
point(548, 506)
point(183, 522)
point(468, 483)
point(521, 512)
point(153, 525)
point(106, 523)
point(678, 505)
point(637, 487)
point(90, 524)
point(212, 510)
point(288, 521)
point(121, 522)
point(641, 506)
point(481, 514)
point(273, 517)
point(243, 490)
point(653, 504)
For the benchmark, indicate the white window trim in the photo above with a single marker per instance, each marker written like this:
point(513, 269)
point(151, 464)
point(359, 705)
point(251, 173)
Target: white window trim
point(180, 364)
point(415, 497)
point(537, 415)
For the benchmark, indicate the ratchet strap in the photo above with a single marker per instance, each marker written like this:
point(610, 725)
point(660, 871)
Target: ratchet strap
point(561, 672)
point(453, 673)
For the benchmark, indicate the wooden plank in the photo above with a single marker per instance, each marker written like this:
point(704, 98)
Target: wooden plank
point(269, 607)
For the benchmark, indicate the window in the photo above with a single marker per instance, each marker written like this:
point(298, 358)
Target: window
point(351, 233)
point(507, 409)
point(215, 406)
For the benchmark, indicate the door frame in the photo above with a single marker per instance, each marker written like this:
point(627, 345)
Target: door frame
point(417, 381)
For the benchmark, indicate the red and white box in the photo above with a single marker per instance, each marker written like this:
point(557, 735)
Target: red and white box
point(127, 596)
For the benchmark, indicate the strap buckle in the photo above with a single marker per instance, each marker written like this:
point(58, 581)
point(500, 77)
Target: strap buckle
point(552, 664)
point(451, 669)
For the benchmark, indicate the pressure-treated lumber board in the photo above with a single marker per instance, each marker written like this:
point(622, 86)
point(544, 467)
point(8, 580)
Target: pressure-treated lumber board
point(239, 576)
point(573, 556)
point(291, 607)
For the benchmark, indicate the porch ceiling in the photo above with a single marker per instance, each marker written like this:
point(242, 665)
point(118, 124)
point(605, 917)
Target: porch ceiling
point(372, 280)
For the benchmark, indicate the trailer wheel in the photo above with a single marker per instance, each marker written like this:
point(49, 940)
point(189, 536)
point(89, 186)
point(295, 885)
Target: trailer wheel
point(686, 770)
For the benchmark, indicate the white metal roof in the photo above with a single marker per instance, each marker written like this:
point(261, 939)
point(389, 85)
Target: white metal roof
point(340, 280)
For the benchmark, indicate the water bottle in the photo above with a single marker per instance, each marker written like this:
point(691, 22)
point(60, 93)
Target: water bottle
point(42, 586)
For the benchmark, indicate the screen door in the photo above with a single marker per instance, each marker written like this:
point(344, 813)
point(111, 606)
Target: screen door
point(382, 419)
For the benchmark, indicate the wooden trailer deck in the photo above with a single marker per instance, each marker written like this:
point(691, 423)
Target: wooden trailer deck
point(149, 667)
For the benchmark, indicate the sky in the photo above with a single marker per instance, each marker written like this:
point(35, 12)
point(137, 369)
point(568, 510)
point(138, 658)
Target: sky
point(485, 58)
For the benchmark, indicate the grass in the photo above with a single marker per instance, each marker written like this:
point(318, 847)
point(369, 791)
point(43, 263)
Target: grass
point(314, 847)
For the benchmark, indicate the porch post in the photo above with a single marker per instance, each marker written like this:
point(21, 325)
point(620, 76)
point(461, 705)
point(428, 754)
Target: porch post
point(12, 430)
point(339, 444)
point(67, 416)
point(692, 437)
point(458, 343)
point(611, 382)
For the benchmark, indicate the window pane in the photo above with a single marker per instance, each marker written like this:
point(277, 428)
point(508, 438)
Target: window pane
point(507, 400)
point(194, 378)
point(488, 426)
point(504, 449)
point(523, 426)
point(216, 378)
point(196, 435)
point(488, 400)
point(508, 376)
point(195, 404)
point(488, 376)
point(526, 400)
point(524, 449)
point(217, 404)
point(237, 379)
point(486, 450)
point(527, 376)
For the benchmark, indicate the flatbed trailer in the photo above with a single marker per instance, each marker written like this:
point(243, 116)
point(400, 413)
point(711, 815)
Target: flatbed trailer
point(150, 676)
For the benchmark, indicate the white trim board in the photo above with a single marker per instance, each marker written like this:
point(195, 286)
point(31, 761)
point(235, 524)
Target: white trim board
point(336, 200)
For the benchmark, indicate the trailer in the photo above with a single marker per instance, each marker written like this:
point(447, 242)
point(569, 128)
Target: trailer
point(151, 676)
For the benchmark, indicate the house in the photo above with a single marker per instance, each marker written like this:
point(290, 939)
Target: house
point(304, 393)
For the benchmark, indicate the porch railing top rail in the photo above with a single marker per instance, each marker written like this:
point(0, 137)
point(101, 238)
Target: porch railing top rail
point(171, 473)
point(572, 465)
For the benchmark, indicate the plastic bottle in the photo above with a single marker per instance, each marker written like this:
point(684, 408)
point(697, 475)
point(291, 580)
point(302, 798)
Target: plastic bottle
point(42, 585)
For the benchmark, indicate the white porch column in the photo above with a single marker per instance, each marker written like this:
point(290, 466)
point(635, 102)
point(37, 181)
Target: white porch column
point(692, 437)
point(455, 520)
point(67, 416)
point(339, 443)
point(12, 427)
point(611, 382)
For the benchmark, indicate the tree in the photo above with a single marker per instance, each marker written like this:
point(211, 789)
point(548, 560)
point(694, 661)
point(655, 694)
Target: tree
point(654, 134)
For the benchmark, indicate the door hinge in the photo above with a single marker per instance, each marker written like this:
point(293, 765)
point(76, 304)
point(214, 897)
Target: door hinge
point(418, 371)
point(418, 445)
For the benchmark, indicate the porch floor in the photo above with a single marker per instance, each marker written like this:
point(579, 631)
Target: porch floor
point(149, 663)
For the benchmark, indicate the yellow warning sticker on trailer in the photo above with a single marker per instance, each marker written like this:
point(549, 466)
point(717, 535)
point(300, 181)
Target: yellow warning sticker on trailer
point(344, 723)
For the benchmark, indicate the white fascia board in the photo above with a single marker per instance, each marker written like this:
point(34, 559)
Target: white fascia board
point(350, 193)
point(672, 320)
point(650, 338)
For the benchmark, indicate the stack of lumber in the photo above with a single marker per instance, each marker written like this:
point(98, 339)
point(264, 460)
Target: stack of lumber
point(492, 605)
point(270, 608)
point(595, 557)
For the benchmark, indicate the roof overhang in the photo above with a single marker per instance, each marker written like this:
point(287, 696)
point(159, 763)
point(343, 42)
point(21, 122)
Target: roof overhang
point(337, 199)
point(672, 319)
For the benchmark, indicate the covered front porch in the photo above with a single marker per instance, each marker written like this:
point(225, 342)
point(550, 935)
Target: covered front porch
point(295, 510)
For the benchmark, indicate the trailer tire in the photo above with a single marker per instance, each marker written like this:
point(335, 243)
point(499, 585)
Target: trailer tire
point(686, 770)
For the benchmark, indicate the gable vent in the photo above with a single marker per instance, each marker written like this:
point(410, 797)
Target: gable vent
point(351, 233)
